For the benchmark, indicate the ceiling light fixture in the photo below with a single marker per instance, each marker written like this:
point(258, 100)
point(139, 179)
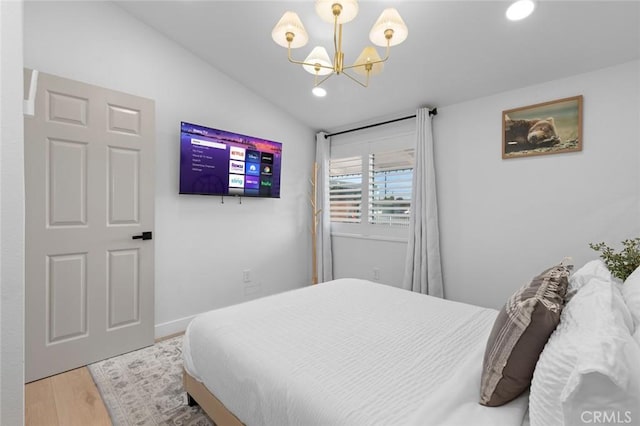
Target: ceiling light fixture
point(389, 30)
point(520, 10)
point(319, 92)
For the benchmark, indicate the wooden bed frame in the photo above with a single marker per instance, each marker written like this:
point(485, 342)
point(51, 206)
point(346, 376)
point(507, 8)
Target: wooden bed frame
point(197, 393)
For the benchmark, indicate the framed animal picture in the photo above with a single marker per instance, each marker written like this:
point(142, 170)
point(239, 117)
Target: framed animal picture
point(546, 128)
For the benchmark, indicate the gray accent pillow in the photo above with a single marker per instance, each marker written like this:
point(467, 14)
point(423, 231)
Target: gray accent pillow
point(519, 334)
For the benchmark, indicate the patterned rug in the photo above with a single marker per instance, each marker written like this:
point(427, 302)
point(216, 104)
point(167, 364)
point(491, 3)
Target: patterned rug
point(144, 387)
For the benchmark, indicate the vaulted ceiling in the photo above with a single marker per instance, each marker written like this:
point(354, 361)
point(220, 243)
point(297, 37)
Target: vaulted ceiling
point(456, 50)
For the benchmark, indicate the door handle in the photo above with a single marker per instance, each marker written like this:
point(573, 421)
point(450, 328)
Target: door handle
point(146, 235)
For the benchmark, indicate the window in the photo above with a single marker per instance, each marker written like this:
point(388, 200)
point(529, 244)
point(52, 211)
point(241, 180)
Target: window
point(390, 175)
point(385, 182)
point(345, 189)
point(370, 180)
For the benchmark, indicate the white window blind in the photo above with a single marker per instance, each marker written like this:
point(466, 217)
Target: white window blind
point(345, 189)
point(390, 176)
point(385, 182)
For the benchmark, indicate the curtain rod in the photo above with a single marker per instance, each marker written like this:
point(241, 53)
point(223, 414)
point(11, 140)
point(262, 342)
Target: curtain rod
point(434, 111)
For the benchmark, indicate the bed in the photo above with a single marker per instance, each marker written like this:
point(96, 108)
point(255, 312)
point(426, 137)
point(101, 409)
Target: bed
point(345, 352)
point(354, 352)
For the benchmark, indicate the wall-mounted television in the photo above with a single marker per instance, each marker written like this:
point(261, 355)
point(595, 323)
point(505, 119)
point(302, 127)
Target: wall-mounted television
point(217, 162)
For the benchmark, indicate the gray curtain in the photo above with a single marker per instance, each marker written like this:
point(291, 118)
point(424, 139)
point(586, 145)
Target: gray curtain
point(323, 243)
point(423, 271)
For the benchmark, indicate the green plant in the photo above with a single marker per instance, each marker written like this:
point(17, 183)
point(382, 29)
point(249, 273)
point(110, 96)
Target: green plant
point(623, 263)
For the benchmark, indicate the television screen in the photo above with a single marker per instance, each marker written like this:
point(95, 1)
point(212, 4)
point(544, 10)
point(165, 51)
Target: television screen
point(216, 162)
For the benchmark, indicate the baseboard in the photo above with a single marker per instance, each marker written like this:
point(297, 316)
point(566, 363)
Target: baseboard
point(172, 327)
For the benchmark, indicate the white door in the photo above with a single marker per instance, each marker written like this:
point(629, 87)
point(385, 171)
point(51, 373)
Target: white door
point(89, 177)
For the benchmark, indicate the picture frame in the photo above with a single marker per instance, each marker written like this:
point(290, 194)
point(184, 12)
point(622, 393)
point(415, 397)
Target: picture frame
point(546, 128)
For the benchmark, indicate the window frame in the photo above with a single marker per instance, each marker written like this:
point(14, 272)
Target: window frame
point(363, 143)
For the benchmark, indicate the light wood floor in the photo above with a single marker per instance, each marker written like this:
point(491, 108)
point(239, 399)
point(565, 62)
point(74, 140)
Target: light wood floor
point(66, 399)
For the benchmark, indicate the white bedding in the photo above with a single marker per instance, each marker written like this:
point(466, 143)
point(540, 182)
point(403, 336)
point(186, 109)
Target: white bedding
point(347, 352)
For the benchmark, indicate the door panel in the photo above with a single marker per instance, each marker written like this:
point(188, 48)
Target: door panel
point(124, 120)
point(124, 288)
point(124, 175)
point(67, 109)
point(89, 170)
point(67, 183)
point(67, 301)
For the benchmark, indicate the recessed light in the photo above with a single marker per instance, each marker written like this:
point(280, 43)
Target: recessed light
point(520, 10)
point(319, 92)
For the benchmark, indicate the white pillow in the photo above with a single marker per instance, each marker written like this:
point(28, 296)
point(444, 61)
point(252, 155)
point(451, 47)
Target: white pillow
point(598, 270)
point(631, 294)
point(594, 269)
point(590, 361)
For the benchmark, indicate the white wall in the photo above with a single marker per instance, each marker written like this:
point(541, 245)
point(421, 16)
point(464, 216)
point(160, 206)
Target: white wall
point(372, 258)
point(503, 221)
point(202, 246)
point(11, 216)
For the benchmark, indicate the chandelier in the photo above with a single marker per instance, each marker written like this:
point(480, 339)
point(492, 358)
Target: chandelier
point(389, 30)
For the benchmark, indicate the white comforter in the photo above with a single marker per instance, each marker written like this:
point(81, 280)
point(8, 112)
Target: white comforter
point(347, 352)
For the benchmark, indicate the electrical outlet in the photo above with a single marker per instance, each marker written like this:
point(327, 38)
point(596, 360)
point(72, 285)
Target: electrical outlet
point(246, 276)
point(376, 274)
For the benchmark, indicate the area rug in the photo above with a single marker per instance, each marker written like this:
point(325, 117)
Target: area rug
point(144, 387)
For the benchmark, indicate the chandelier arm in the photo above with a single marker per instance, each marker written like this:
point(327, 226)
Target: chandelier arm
point(374, 62)
point(362, 65)
point(323, 80)
point(388, 51)
point(366, 84)
point(293, 61)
